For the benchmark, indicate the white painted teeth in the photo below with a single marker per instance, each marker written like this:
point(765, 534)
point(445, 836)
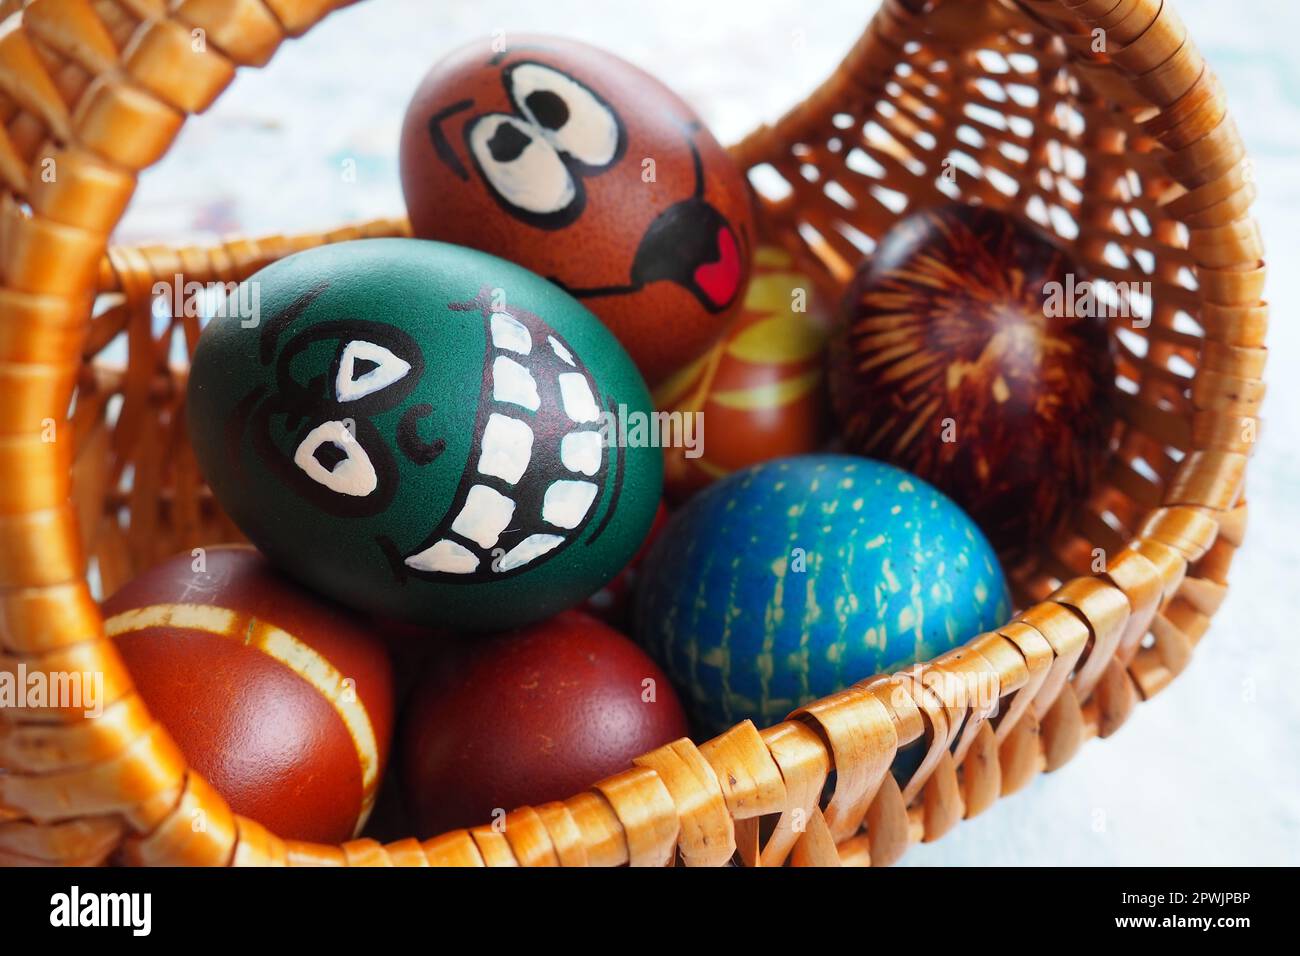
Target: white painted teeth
point(580, 451)
point(567, 502)
point(565, 355)
point(486, 514)
point(513, 383)
point(330, 455)
point(471, 542)
point(507, 447)
point(511, 334)
point(530, 549)
point(575, 395)
point(388, 368)
point(445, 556)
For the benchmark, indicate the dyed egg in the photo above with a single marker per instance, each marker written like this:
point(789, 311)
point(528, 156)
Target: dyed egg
point(282, 702)
point(760, 389)
point(423, 432)
point(572, 162)
point(957, 358)
point(528, 717)
point(794, 578)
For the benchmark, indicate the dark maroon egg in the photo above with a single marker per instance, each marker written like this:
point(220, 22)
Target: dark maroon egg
point(528, 717)
point(963, 353)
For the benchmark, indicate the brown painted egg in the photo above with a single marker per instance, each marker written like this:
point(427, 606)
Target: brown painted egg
point(282, 702)
point(528, 717)
point(759, 392)
point(586, 170)
point(957, 356)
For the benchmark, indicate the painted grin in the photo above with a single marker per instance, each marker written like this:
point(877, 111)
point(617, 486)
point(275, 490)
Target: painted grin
point(537, 463)
point(539, 416)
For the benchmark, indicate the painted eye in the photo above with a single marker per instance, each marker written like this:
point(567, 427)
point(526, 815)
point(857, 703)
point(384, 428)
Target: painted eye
point(573, 118)
point(522, 166)
point(332, 457)
point(374, 367)
point(366, 368)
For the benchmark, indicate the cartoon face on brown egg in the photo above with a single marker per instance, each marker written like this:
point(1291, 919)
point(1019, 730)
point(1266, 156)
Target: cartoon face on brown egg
point(584, 169)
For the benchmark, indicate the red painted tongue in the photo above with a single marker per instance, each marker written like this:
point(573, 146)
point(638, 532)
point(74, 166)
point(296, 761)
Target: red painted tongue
point(721, 279)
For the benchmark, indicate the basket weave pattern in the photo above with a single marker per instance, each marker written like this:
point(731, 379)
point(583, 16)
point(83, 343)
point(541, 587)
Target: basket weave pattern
point(1127, 153)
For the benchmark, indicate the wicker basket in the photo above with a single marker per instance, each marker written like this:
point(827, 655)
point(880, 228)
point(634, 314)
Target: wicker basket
point(1098, 118)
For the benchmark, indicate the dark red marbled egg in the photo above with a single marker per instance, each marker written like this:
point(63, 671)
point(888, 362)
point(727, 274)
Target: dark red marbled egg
point(956, 358)
point(530, 716)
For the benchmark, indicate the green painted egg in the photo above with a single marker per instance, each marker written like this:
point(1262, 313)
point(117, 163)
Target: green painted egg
point(795, 578)
point(424, 431)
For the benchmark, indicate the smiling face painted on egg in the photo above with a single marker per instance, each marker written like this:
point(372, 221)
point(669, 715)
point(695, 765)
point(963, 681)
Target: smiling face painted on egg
point(537, 453)
point(420, 455)
point(584, 169)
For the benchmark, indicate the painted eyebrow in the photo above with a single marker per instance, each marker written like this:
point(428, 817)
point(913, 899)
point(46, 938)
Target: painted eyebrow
point(441, 145)
point(271, 329)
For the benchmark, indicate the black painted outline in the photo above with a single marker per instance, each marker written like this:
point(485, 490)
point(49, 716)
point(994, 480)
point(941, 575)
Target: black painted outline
point(527, 498)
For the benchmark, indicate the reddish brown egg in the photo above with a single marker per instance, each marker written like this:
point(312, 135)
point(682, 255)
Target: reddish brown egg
point(759, 392)
point(281, 701)
point(586, 170)
point(528, 717)
point(961, 356)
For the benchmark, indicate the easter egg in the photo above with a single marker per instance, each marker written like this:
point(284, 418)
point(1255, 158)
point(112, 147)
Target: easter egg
point(760, 389)
point(426, 433)
point(955, 357)
point(794, 578)
point(530, 716)
point(281, 701)
point(572, 162)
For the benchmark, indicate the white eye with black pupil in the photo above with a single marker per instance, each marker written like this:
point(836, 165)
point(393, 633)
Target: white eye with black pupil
point(568, 114)
point(332, 457)
point(366, 368)
point(521, 165)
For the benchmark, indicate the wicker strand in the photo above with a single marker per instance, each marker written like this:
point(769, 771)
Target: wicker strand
point(1098, 118)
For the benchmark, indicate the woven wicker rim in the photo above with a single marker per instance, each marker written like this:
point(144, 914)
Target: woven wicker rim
point(98, 89)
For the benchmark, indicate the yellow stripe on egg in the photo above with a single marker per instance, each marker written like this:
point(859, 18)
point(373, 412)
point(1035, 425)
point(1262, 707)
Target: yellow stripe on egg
point(301, 658)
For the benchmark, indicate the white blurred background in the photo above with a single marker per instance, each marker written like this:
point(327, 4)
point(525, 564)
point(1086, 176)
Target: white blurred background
point(1209, 771)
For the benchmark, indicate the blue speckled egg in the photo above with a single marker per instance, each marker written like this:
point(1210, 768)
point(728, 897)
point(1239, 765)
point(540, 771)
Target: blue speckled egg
point(794, 578)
